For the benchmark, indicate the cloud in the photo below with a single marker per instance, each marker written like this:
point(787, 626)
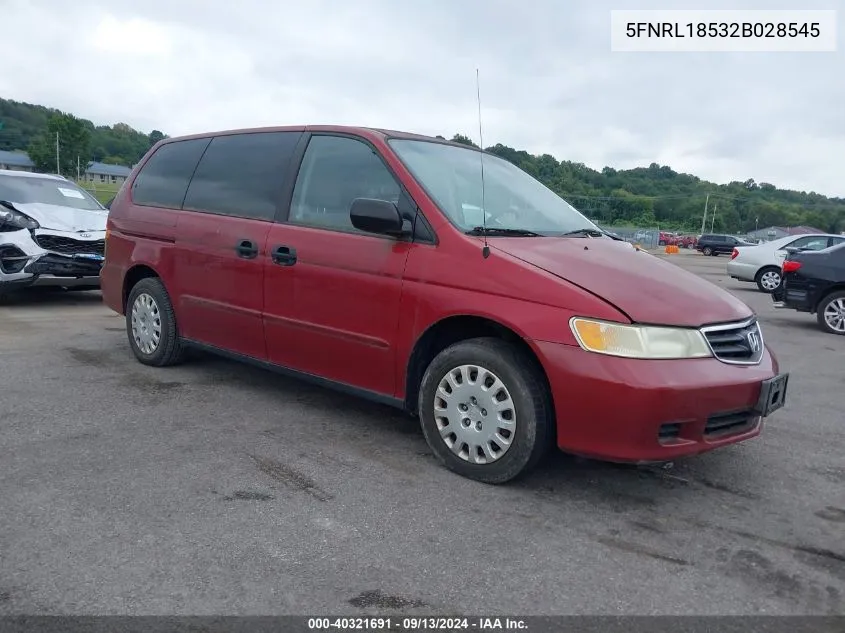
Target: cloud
point(549, 83)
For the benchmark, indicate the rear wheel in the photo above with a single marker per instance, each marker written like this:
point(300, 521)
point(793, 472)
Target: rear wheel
point(768, 279)
point(831, 313)
point(485, 410)
point(707, 250)
point(151, 325)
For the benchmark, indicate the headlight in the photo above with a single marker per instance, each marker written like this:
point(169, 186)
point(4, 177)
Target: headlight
point(16, 219)
point(639, 341)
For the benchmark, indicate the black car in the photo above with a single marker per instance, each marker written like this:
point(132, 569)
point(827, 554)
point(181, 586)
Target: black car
point(814, 282)
point(716, 244)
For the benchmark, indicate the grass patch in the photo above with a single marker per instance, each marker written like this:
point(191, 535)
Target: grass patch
point(101, 191)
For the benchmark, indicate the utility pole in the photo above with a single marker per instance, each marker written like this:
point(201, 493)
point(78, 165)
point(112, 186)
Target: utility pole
point(704, 219)
point(58, 171)
point(77, 168)
point(713, 218)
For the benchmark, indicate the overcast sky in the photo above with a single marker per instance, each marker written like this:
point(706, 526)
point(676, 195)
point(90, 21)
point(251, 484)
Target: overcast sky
point(549, 82)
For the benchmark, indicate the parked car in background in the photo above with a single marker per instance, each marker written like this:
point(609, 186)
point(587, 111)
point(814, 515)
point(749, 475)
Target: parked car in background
point(354, 257)
point(762, 263)
point(665, 238)
point(52, 232)
point(719, 244)
point(686, 241)
point(814, 282)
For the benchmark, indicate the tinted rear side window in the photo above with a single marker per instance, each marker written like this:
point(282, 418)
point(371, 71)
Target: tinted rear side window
point(164, 178)
point(241, 174)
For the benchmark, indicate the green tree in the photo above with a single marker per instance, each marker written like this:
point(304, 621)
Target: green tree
point(464, 140)
point(155, 136)
point(74, 140)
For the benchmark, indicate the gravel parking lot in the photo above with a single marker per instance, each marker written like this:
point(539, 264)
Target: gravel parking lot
point(216, 488)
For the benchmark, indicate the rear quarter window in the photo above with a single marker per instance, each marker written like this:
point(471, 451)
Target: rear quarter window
point(164, 178)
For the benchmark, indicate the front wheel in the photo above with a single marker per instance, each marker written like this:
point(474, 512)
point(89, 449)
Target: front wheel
point(485, 410)
point(831, 313)
point(768, 279)
point(707, 250)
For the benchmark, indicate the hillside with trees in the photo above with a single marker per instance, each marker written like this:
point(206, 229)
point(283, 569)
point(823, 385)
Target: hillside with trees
point(32, 128)
point(659, 196)
point(646, 196)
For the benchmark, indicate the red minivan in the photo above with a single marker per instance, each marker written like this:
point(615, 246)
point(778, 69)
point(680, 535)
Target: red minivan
point(439, 279)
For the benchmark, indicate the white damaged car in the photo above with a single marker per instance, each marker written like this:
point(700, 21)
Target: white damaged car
point(52, 232)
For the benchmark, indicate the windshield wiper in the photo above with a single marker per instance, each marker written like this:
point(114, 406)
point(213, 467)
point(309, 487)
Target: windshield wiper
point(584, 232)
point(492, 230)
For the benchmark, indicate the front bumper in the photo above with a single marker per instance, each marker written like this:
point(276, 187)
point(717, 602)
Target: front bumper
point(70, 259)
point(642, 411)
point(741, 270)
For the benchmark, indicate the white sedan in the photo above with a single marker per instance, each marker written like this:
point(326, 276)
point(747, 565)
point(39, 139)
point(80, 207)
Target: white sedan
point(762, 263)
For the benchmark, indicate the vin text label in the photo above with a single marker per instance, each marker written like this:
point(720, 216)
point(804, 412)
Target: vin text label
point(723, 31)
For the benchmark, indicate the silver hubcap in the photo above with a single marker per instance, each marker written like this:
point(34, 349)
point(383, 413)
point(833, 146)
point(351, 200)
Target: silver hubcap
point(146, 323)
point(770, 280)
point(834, 315)
point(475, 414)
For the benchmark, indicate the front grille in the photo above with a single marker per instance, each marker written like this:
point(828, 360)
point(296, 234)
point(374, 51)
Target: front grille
point(738, 343)
point(724, 424)
point(70, 246)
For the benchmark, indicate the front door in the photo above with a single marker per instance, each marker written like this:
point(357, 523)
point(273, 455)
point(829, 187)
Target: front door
point(332, 293)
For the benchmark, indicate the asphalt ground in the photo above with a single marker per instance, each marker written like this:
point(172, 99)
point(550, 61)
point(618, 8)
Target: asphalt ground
point(216, 488)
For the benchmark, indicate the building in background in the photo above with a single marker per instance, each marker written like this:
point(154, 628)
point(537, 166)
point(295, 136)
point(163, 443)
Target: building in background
point(776, 232)
point(101, 173)
point(96, 173)
point(17, 161)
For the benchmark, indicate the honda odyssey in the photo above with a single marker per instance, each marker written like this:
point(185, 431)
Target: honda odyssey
point(439, 279)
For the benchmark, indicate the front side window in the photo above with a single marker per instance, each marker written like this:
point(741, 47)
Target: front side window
point(511, 200)
point(164, 178)
point(335, 171)
point(34, 190)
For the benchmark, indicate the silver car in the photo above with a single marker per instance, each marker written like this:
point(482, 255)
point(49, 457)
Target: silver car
point(52, 232)
point(762, 263)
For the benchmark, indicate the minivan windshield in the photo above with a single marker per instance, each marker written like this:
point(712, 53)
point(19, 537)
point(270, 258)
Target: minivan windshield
point(32, 189)
point(514, 202)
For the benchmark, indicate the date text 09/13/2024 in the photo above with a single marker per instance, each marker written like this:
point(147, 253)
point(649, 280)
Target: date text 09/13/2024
point(417, 623)
point(723, 29)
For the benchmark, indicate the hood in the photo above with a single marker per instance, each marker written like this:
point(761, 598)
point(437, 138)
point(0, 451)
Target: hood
point(58, 218)
point(646, 288)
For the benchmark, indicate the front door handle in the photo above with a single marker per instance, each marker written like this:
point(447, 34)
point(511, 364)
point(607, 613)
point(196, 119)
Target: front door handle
point(247, 249)
point(284, 256)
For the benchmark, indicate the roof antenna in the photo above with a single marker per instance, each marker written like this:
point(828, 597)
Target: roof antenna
point(485, 251)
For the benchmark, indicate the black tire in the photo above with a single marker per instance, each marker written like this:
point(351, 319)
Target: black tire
point(662, 243)
point(532, 407)
point(758, 278)
point(823, 305)
point(170, 350)
point(707, 250)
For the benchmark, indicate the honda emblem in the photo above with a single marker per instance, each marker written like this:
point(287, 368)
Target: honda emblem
point(754, 342)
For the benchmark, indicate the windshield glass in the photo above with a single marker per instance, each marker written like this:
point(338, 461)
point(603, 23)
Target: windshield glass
point(29, 189)
point(512, 199)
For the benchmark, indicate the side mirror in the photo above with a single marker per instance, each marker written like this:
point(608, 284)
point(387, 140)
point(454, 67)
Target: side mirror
point(376, 216)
